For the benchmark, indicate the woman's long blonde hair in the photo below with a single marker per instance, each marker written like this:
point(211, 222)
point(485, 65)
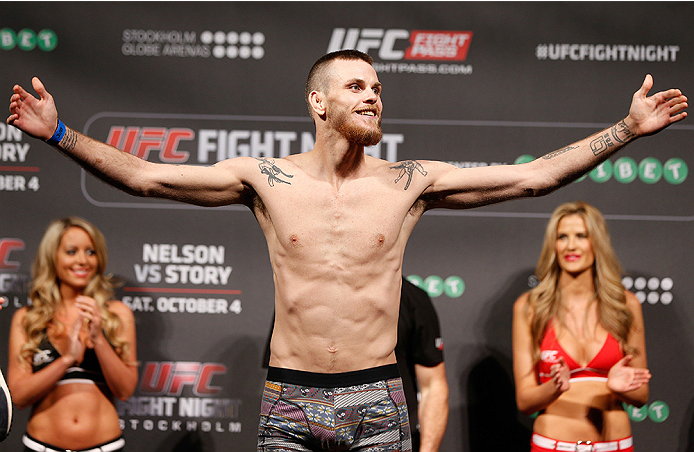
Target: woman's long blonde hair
point(544, 301)
point(45, 289)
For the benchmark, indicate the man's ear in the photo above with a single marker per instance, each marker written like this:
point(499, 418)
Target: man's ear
point(317, 102)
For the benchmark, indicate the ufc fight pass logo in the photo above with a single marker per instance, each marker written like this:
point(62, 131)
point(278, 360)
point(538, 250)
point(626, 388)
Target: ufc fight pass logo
point(398, 44)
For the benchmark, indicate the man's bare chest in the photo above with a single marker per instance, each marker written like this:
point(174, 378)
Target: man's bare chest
point(357, 215)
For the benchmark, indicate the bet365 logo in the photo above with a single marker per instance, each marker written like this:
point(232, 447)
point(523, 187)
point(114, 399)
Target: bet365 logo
point(26, 39)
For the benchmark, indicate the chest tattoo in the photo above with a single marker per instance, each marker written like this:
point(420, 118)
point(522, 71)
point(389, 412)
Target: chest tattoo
point(273, 172)
point(407, 168)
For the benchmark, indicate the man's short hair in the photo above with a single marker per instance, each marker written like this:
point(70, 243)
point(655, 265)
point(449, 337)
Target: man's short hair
point(318, 77)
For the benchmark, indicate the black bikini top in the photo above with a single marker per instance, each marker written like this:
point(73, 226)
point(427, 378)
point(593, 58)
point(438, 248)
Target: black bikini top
point(88, 371)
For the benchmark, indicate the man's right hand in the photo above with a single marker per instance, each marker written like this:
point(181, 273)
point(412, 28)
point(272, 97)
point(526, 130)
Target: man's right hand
point(648, 115)
point(35, 117)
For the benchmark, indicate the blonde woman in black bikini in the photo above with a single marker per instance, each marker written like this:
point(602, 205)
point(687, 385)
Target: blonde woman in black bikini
point(73, 350)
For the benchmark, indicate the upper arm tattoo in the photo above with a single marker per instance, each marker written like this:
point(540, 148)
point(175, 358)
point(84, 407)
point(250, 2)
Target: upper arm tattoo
point(407, 167)
point(273, 172)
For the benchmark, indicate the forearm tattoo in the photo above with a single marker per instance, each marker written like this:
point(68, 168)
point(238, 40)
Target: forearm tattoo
point(408, 167)
point(69, 140)
point(619, 133)
point(622, 133)
point(273, 172)
point(558, 152)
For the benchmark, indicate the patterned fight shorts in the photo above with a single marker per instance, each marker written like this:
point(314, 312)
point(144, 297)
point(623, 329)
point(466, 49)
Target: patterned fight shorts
point(363, 410)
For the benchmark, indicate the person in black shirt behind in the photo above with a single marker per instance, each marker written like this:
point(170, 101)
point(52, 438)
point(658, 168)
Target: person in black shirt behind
point(419, 352)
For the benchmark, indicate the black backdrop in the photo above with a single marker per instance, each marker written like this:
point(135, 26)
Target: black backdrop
point(470, 83)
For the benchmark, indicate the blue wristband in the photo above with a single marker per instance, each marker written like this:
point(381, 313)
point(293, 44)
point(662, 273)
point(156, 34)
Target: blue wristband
point(58, 135)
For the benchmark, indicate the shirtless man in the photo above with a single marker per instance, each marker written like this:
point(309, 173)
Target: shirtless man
point(336, 223)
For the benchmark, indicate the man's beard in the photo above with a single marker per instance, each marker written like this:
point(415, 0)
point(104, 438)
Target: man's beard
point(363, 136)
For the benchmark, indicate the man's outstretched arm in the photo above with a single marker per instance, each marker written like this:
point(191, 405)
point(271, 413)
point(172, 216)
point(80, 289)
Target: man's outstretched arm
point(211, 186)
point(463, 188)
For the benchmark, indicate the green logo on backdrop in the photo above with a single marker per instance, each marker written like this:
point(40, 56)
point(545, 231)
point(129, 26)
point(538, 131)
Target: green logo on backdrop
point(650, 170)
point(625, 170)
point(8, 39)
point(454, 286)
point(524, 159)
point(657, 412)
point(435, 286)
point(675, 171)
point(636, 414)
point(602, 172)
point(27, 40)
point(47, 40)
